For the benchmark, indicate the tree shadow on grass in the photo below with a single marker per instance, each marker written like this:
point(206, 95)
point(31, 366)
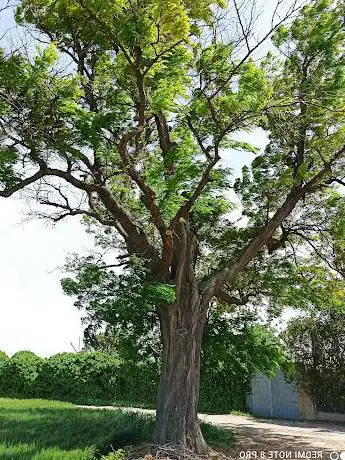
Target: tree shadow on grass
point(71, 428)
point(50, 430)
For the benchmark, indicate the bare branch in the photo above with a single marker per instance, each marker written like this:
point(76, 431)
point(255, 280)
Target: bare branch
point(135, 235)
point(293, 9)
point(7, 5)
point(244, 32)
point(323, 257)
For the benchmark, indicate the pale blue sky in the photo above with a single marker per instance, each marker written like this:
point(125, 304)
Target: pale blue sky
point(34, 313)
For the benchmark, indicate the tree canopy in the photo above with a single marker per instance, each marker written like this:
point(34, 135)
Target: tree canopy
point(124, 115)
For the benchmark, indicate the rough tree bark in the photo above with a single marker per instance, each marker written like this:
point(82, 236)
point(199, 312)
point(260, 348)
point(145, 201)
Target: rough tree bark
point(182, 325)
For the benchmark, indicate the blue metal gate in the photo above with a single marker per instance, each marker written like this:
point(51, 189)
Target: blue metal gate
point(273, 397)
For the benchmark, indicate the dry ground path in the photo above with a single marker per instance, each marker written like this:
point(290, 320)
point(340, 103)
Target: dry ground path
point(263, 435)
point(274, 439)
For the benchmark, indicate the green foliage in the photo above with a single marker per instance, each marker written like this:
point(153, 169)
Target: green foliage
point(127, 302)
point(3, 360)
point(8, 158)
point(81, 377)
point(233, 350)
point(228, 361)
point(19, 375)
point(68, 376)
point(131, 23)
point(119, 454)
point(312, 81)
point(316, 342)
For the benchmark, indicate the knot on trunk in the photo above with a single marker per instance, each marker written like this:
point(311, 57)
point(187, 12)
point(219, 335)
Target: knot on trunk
point(182, 331)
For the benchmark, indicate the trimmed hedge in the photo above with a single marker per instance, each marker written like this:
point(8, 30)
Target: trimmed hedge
point(78, 377)
point(99, 378)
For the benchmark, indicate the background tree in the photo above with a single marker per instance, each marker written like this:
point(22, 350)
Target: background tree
point(124, 118)
point(317, 345)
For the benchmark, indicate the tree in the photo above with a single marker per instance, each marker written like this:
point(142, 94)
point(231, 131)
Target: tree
point(3, 356)
point(317, 344)
point(124, 118)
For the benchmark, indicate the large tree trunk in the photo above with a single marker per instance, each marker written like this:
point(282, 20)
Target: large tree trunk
point(182, 325)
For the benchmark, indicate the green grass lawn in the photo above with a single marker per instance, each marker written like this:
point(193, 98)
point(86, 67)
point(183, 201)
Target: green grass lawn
point(52, 430)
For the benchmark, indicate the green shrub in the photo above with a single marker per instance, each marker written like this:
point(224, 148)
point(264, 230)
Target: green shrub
point(119, 454)
point(98, 378)
point(138, 383)
point(222, 390)
point(3, 360)
point(76, 377)
point(19, 375)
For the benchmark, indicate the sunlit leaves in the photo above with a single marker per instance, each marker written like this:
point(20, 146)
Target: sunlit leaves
point(8, 159)
point(150, 22)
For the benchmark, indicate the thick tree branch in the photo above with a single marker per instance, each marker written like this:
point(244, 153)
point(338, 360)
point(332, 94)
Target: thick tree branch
point(149, 194)
point(136, 238)
point(184, 209)
point(229, 273)
point(230, 299)
point(204, 149)
point(22, 184)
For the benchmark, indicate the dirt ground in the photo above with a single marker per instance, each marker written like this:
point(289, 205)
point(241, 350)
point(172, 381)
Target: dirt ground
point(273, 438)
point(277, 439)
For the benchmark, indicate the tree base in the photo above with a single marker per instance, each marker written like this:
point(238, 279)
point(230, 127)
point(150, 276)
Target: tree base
point(162, 452)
